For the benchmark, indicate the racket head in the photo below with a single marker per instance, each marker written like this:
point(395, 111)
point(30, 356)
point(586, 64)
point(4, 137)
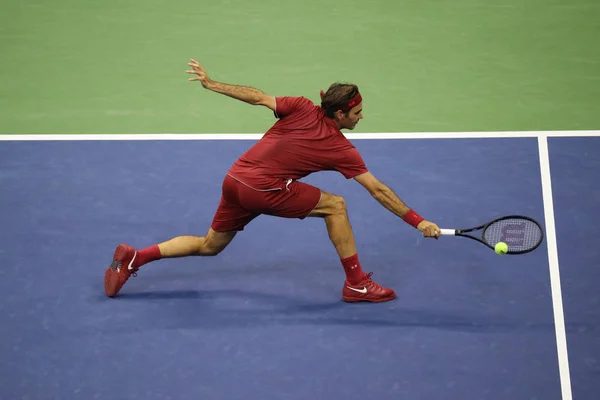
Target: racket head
point(521, 234)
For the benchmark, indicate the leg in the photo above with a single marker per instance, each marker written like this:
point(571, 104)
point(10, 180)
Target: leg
point(210, 245)
point(358, 285)
point(333, 209)
point(127, 260)
point(228, 220)
point(301, 200)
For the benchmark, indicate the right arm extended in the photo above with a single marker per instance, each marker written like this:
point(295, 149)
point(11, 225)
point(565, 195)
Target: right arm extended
point(244, 93)
point(387, 198)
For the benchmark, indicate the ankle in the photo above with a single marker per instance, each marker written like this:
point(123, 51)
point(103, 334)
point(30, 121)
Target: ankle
point(147, 255)
point(353, 269)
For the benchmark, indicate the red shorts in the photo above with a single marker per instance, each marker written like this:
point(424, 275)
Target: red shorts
point(240, 203)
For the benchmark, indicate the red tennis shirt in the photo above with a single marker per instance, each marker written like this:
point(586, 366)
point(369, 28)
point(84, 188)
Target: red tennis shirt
point(301, 142)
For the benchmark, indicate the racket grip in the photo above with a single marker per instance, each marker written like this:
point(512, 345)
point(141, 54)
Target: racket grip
point(448, 231)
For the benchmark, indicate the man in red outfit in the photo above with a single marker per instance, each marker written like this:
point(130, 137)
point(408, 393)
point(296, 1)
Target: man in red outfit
point(306, 138)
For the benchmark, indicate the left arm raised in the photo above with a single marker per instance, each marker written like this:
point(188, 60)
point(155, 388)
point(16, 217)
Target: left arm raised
point(246, 94)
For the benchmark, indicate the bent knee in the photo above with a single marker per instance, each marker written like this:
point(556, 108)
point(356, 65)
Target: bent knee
point(329, 204)
point(215, 242)
point(210, 252)
point(338, 205)
point(211, 249)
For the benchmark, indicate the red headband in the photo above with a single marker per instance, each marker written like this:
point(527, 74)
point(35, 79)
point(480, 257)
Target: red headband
point(351, 104)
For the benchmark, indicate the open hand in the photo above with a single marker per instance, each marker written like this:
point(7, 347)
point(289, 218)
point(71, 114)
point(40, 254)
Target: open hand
point(200, 73)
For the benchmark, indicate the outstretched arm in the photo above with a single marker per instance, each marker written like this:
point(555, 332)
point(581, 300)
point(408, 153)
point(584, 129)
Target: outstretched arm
point(387, 198)
point(244, 93)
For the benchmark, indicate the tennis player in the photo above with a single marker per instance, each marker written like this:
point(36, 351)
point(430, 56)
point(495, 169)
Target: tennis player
point(306, 138)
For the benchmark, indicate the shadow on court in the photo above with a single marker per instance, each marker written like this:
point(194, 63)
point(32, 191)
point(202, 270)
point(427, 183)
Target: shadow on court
point(189, 309)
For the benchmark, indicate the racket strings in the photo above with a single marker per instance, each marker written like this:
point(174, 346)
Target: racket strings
point(518, 234)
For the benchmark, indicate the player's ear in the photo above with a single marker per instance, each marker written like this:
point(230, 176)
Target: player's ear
point(339, 114)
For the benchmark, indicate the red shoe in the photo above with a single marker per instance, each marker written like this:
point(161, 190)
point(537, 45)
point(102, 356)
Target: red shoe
point(120, 270)
point(367, 290)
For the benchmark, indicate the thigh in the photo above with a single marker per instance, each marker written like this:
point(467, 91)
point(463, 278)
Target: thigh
point(296, 200)
point(231, 216)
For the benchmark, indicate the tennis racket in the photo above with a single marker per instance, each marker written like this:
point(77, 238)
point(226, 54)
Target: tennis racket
point(521, 234)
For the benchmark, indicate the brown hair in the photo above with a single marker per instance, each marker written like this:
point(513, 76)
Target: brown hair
point(337, 97)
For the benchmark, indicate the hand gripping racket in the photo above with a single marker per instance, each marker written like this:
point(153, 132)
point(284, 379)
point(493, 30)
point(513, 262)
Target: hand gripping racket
point(521, 234)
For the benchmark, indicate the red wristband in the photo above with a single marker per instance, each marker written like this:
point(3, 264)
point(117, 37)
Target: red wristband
point(412, 218)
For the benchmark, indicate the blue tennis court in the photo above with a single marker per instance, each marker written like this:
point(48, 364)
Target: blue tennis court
point(265, 319)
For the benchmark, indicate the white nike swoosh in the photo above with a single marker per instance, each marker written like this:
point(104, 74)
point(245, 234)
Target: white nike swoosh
point(363, 290)
point(132, 260)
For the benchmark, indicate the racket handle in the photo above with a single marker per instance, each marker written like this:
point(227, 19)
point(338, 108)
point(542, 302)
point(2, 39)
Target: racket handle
point(448, 232)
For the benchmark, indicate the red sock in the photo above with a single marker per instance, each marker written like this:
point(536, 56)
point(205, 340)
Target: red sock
point(354, 272)
point(147, 255)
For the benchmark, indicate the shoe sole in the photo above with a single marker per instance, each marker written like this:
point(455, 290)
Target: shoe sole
point(359, 299)
point(111, 281)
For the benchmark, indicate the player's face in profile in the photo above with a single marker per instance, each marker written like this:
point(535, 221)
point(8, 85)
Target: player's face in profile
point(354, 115)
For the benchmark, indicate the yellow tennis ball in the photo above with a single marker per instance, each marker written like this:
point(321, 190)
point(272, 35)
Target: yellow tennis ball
point(501, 248)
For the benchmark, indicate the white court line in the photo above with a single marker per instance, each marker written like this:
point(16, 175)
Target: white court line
point(557, 303)
point(542, 136)
point(256, 136)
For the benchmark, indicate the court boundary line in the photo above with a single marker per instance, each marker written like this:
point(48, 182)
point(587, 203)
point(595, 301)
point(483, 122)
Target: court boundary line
point(546, 180)
point(256, 136)
point(554, 269)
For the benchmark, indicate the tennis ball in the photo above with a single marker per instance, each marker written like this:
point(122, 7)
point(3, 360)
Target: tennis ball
point(501, 248)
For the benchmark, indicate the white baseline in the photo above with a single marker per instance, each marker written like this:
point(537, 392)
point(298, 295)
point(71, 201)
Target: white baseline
point(256, 136)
